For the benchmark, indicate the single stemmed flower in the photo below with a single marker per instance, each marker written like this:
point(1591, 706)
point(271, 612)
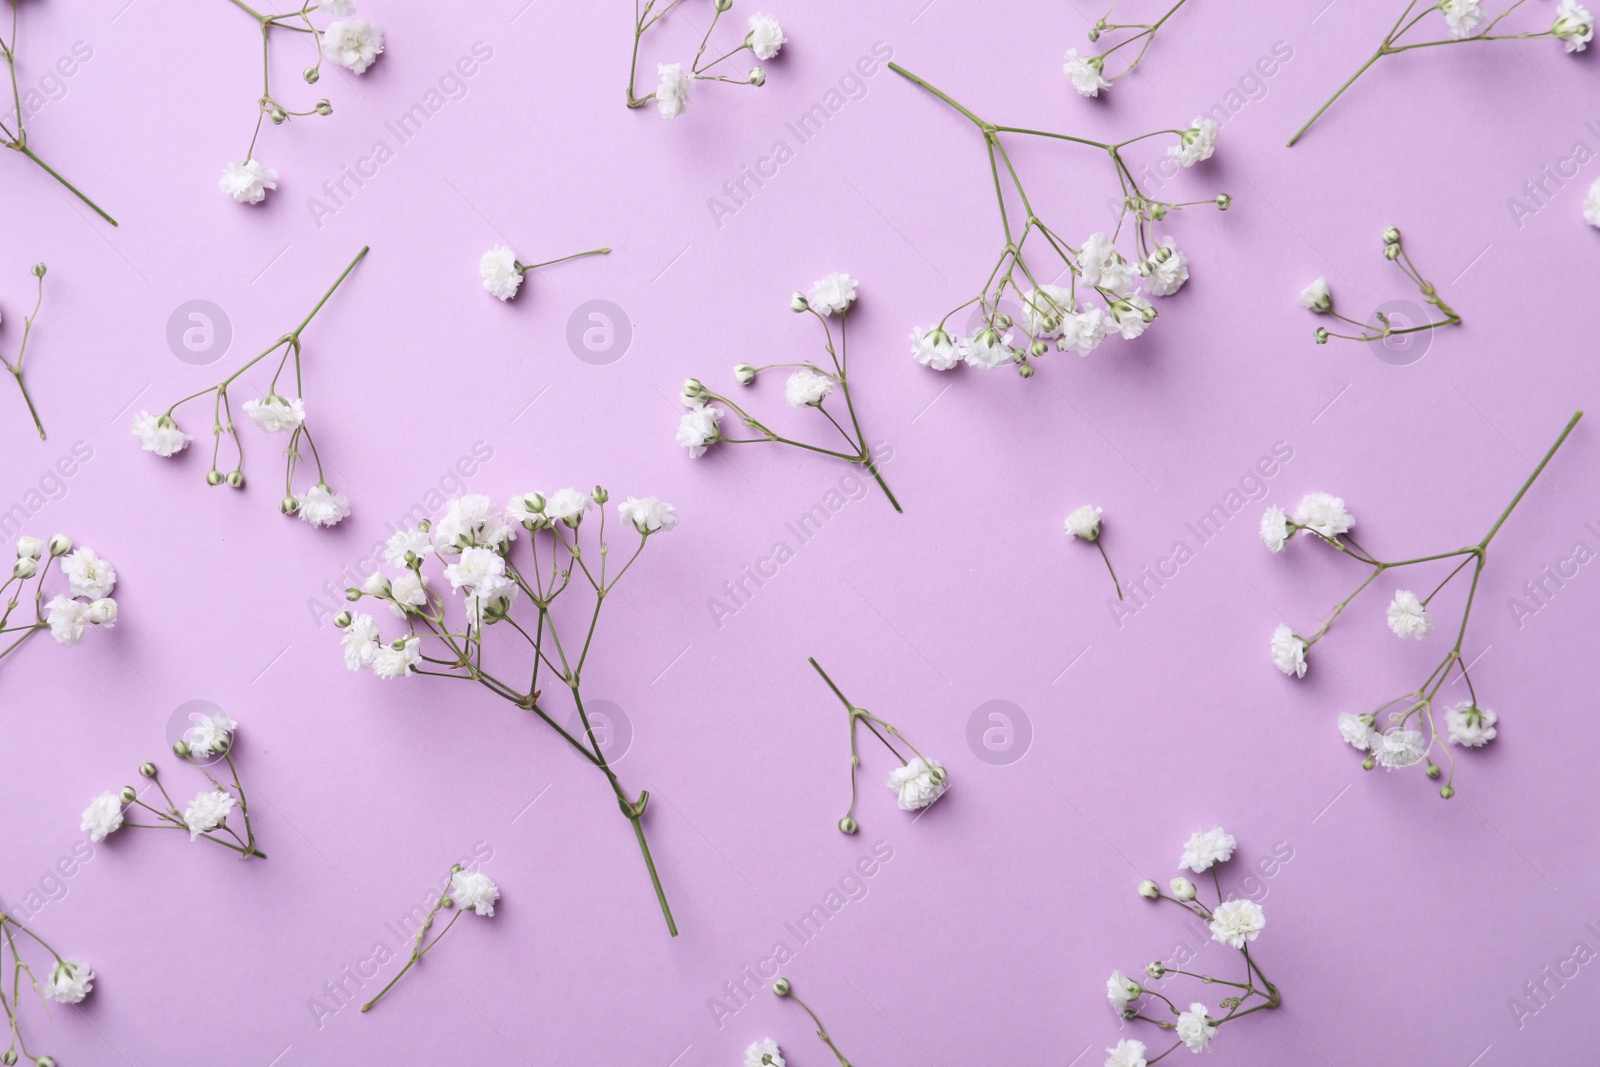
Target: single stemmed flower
point(808, 386)
point(351, 43)
point(17, 140)
point(1233, 922)
point(1411, 730)
point(917, 782)
point(502, 272)
point(15, 365)
point(491, 586)
point(1084, 524)
point(1064, 317)
point(763, 40)
point(763, 1053)
point(206, 817)
point(1087, 73)
point(784, 989)
point(471, 891)
point(1463, 21)
point(68, 616)
point(276, 413)
point(1318, 299)
point(69, 981)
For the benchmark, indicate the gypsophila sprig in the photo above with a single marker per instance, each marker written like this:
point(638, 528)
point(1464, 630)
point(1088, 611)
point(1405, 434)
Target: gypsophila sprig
point(68, 616)
point(1408, 736)
point(15, 365)
point(348, 42)
point(17, 139)
point(784, 990)
point(763, 1053)
point(917, 782)
point(1088, 73)
point(764, 39)
point(68, 981)
point(471, 891)
point(502, 272)
point(472, 551)
point(1318, 299)
point(218, 814)
point(1083, 524)
point(1235, 923)
point(1053, 316)
point(275, 413)
point(808, 386)
point(1463, 22)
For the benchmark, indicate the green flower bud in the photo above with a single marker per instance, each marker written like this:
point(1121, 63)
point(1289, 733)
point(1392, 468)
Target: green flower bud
point(147, 769)
point(278, 116)
point(60, 545)
point(236, 479)
point(1321, 336)
point(1024, 370)
point(781, 987)
point(798, 303)
point(352, 594)
point(324, 107)
point(1391, 252)
point(39, 270)
point(289, 505)
point(848, 825)
point(181, 750)
point(1156, 970)
point(1433, 770)
point(342, 620)
point(1149, 890)
point(1224, 201)
point(1391, 236)
point(758, 76)
point(213, 477)
point(600, 495)
point(1368, 763)
point(723, 5)
point(311, 75)
point(25, 568)
point(129, 794)
point(1447, 792)
point(744, 373)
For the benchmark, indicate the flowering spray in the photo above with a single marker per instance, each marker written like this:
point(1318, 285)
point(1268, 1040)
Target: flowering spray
point(763, 41)
point(15, 366)
point(69, 982)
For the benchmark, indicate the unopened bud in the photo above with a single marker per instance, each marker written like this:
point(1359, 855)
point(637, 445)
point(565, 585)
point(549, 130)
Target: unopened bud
point(848, 825)
point(1433, 770)
point(278, 116)
point(744, 373)
point(1156, 969)
point(1149, 890)
point(723, 5)
point(1368, 763)
point(147, 769)
point(343, 620)
point(758, 76)
point(213, 477)
point(1038, 348)
point(781, 987)
point(324, 107)
point(1391, 236)
point(25, 568)
point(1025, 370)
point(60, 545)
point(1391, 252)
point(311, 75)
point(1447, 792)
point(798, 303)
point(289, 505)
point(1224, 201)
point(129, 794)
point(1183, 889)
point(236, 479)
point(181, 750)
point(39, 270)
point(1321, 336)
point(600, 495)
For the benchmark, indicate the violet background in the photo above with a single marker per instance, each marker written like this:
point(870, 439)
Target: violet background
point(1399, 929)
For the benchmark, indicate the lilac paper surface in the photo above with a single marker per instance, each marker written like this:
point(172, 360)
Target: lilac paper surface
point(1400, 929)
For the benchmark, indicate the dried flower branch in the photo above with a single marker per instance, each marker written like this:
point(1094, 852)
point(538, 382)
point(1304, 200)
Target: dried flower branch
point(502, 272)
point(68, 616)
point(15, 366)
point(471, 891)
point(1319, 300)
point(69, 982)
point(784, 989)
point(1087, 73)
point(763, 41)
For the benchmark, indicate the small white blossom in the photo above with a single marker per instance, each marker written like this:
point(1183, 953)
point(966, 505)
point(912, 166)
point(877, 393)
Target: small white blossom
point(1102, 266)
point(408, 592)
point(648, 515)
point(807, 388)
point(499, 271)
point(360, 642)
point(1462, 16)
point(1317, 297)
point(1275, 528)
point(353, 44)
point(206, 812)
point(1167, 275)
point(402, 541)
point(1183, 889)
point(70, 981)
point(1195, 1029)
point(1408, 617)
point(1236, 921)
point(1206, 847)
point(1325, 514)
point(1082, 332)
point(765, 37)
point(1288, 652)
point(1121, 991)
point(1470, 725)
point(491, 599)
point(159, 434)
point(1043, 309)
point(1357, 730)
point(275, 414)
point(1398, 748)
point(763, 1053)
point(988, 350)
point(1127, 1053)
point(475, 890)
point(1084, 522)
point(1574, 26)
point(88, 575)
point(29, 547)
point(389, 662)
point(672, 91)
point(1131, 314)
point(471, 519)
point(933, 348)
point(1085, 73)
point(321, 506)
point(67, 619)
point(247, 182)
point(1196, 143)
point(698, 428)
point(103, 816)
point(474, 565)
point(210, 734)
point(103, 612)
point(567, 505)
point(918, 783)
point(832, 294)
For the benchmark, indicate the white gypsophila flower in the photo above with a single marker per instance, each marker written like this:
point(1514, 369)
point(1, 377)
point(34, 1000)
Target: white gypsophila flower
point(1196, 143)
point(648, 515)
point(159, 434)
point(1591, 204)
point(206, 812)
point(1183, 889)
point(360, 642)
point(698, 428)
point(567, 505)
point(833, 293)
point(103, 612)
point(1102, 266)
point(1398, 748)
point(402, 541)
point(1463, 16)
point(1288, 652)
point(933, 348)
point(1317, 297)
point(672, 91)
point(474, 565)
point(471, 519)
point(103, 816)
point(1127, 1053)
point(67, 619)
point(1470, 725)
point(1121, 991)
point(1131, 315)
point(475, 890)
point(1408, 617)
point(1043, 309)
point(527, 510)
point(389, 662)
point(1084, 522)
point(336, 8)
point(1574, 26)
point(1234, 922)
point(1206, 847)
point(1357, 730)
point(1325, 514)
point(408, 592)
point(1082, 332)
point(321, 506)
point(1167, 275)
point(763, 1053)
point(210, 734)
point(765, 37)
point(988, 349)
point(1275, 528)
point(499, 271)
point(353, 44)
point(275, 414)
point(88, 575)
point(29, 547)
point(1085, 73)
point(247, 182)
point(807, 388)
point(1194, 1028)
point(375, 584)
point(491, 599)
point(919, 783)
point(70, 981)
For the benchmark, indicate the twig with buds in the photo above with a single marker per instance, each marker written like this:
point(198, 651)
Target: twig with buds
point(763, 41)
point(68, 616)
point(69, 982)
point(15, 366)
point(1144, 36)
point(1319, 300)
point(469, 891)
point(784, 989)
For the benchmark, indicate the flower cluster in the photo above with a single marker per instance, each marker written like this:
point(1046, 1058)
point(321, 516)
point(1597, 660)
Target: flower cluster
point(501, 271)
point(1318, 299)
point(351, 43)
point(1083, 523)
point(1233, 922)
point(1408, 734)
point(15, 365)
point(471, 891)
point(808, 386)
point(473, 550)
point(68, 616)
point(68, 982)
point(783, 989)
point(275, 413)
point(1463, 21)
point(763, 40)
point(917, 782)
point(1088, 73)
point(1017, 320)
point(208, 740)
